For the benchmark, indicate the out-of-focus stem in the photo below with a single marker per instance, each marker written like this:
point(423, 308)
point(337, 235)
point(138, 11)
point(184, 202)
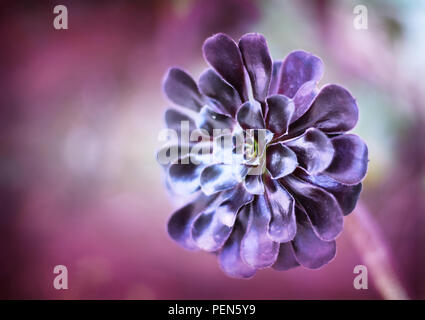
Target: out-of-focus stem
point(375, 253)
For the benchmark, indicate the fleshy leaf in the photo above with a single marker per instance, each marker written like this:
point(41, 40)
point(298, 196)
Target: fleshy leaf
point(181, 89)
point(230, 255)
point(180, 223)
point(349, 165)
point(257, 249)
point(250, 116)
point(209, 120)
point(213, 86)
point(219, 177)
point(280, 204)
point(334, 110)
point(253, 184)
point(304, 98)
point(298, 68)
point(310, 251)
point(314, 150)
point(321, 207)
point(184, 177)
point(274, 83)
point(258, 63)
point(281, 160)
point(279, 114)
point(212, 228)
point(224, 56)
point(286, 259)
point(346, 195)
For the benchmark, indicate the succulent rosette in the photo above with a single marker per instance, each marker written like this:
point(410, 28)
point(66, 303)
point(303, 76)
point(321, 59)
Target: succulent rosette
point(286, 208)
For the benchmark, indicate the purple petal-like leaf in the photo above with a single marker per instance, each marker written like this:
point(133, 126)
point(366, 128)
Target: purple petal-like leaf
point(274, 83)
point(181, 89)
point(230, 255)
point(209, 120)
point(219, 177)
point(223, 54)
point(286, 259)
point(184, 177)
point(310, 251)
point(298, 68)
point(279, 114)
point(334, 110)
point(250, 116)
point(280, 204)
point(281, 160)
point(314, 150)
point(276, 184)
point(349, 165)
point(212, 228)
point(253, 184)
point(304, 98)
point(180, 223)
point(258, 63)
point(257, 249)
point(321, 207)
point(213, 86)
point(174, 119)
point(180, 122)
point(346, 195)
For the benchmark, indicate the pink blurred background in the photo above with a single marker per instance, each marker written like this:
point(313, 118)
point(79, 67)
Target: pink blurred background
point(82, 108)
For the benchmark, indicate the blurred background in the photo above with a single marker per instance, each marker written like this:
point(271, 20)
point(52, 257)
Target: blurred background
point(80, 114)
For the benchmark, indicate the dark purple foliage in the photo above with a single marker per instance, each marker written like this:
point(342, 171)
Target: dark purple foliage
point(290, 213)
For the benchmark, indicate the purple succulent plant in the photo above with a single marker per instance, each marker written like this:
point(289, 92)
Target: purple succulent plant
point(290, 212)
